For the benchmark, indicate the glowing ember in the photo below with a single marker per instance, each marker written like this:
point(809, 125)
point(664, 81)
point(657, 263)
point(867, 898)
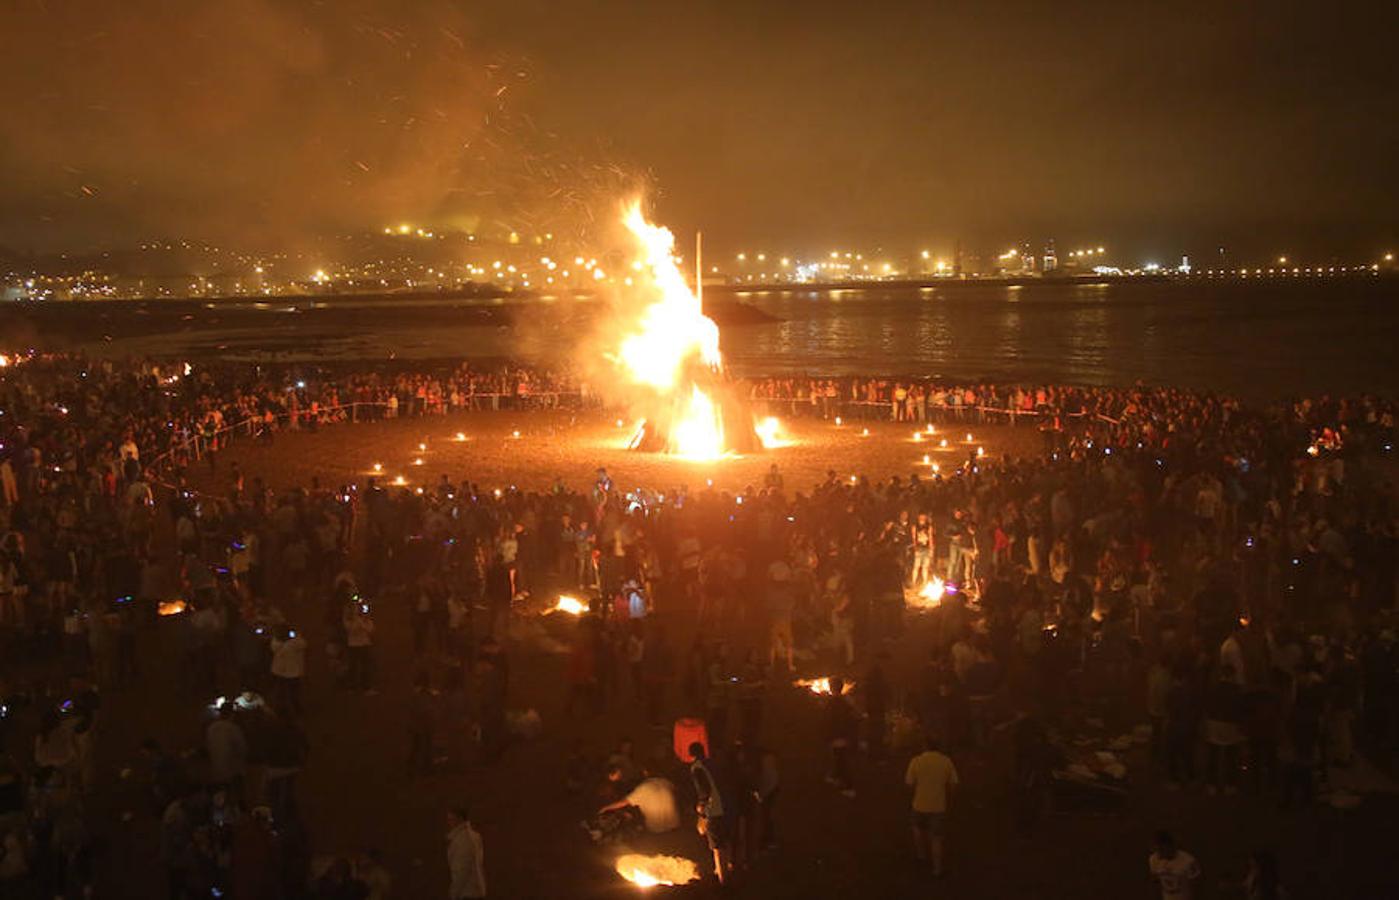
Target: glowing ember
point(822, 685)
point(171, 607)
point(839, 421)
point(650, 871)
point(459, 437)
point(422, 447)
point(400, 481)
point(418, 461)
point(969, 437)
point(918, 437)
point(864, 432)
point(943, 443)
point(980, 451)
point(571, 605)
point(378, 467)
point(515, 435)
point(927, 460)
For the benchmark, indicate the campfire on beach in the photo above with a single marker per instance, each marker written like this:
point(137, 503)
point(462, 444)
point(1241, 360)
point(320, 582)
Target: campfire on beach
point(930, 595)
point(822, 686)
point(669, 362)
point(651, 871)
point(571, 605)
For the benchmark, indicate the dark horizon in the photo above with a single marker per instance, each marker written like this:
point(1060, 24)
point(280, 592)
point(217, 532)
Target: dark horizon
point(1157, 131)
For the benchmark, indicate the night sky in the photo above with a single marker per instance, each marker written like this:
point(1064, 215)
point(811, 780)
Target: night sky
point(1155, 127)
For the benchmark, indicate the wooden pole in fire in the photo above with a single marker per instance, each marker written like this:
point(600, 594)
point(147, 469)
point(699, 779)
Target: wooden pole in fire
point(699, 268)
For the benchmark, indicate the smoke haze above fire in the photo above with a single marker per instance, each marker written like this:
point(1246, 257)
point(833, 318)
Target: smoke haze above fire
point(261, 120)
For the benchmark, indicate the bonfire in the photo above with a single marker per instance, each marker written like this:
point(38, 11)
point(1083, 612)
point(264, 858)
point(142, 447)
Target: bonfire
point(650, 871)
point(669, 358)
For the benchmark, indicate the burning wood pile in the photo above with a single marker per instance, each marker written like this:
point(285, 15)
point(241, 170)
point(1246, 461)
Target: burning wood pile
point(669, 361)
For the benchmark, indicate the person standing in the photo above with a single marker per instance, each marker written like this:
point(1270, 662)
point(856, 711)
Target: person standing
point(466, 860)
point(288, 668)
point(921, 537)
point(359, 639)
point(717, 824)
point(1174, 869)
point(228, 751)
point(933, 777)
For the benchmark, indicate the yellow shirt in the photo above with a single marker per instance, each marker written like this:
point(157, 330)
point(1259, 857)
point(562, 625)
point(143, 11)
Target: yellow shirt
point(931, 774)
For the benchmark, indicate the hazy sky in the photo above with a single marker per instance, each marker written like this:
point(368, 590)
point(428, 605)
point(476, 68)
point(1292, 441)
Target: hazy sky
point(787, 124)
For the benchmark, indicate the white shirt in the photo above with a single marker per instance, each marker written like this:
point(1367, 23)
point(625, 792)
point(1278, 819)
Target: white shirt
point(466, 863)
point(289, 657)
point(1174, 874)
point(655, 797)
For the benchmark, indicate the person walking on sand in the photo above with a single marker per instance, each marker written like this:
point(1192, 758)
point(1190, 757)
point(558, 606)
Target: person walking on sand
point(933, 777)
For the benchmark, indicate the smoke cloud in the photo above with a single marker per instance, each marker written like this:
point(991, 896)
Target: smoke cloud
point(247, 118)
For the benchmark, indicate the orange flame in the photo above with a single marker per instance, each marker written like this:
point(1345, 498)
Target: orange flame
point(650, 871)
point(171, 607)
point(571, 605)
point(822, 685)
point(669, 338)
point(930, 595)
point(769, 431)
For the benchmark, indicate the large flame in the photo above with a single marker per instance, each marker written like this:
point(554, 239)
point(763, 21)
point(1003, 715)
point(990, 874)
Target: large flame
point(668, 345)
point(650, 871)
point(673, 330)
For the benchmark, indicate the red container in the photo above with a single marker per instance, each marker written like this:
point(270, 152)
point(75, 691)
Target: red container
point(687, 732)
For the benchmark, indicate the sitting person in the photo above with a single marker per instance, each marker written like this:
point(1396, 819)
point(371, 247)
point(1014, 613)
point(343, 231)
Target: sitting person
point(650, 805)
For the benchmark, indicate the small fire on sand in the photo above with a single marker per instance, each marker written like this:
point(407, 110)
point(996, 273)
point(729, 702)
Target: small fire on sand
point(571, 605)
point(650, 871)
point(822, 685)
point(930, 595)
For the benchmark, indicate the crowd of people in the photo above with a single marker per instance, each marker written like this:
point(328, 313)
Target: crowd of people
point(1220, 573)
